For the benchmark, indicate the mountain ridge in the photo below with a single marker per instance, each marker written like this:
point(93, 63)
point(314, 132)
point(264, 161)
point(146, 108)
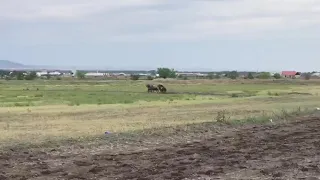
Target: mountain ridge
point(6, 64)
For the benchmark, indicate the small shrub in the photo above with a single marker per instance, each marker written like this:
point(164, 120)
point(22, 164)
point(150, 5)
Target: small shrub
point(277, 76)
point(38, 95)
point(150, 78)
point(128, 101)
point(273, 94)
point(284, 114)
point(222, 117)
point(17, 104)
point(250, 76)
point(74, 103)
point(234, 95)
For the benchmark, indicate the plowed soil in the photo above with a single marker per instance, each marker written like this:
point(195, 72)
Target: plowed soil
point(275, 151)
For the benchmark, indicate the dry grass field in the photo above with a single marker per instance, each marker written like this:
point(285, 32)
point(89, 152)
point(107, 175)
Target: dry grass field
point(57, 129)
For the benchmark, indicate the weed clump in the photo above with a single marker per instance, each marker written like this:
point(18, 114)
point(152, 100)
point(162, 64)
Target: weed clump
point(273, 94)
point(222, 117)
point(234, 95)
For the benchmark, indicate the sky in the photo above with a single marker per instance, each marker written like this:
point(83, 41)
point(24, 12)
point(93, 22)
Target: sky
point(258, 35)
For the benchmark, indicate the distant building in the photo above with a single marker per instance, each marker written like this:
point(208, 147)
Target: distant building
point(42, 73)
point(55, 73)
point(191, 74)
point(290, 74)
point(315, 75)
point(95, 74)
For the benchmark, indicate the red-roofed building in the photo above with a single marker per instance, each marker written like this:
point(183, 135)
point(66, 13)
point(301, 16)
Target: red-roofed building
point(290, 74)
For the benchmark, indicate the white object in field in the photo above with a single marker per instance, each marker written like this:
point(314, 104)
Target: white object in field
point(318, 109)
point(271, 121)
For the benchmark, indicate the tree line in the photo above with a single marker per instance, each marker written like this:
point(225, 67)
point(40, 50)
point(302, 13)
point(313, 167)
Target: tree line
point(171, 73)
point(18, 75)
point(162, 73)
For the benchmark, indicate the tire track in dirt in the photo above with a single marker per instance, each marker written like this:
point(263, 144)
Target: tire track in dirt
point(283, 151)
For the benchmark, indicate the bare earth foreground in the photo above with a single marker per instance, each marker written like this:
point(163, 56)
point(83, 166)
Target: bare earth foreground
point(270, 151)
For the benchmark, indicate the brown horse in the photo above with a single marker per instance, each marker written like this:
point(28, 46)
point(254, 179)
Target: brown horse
point(162, 88)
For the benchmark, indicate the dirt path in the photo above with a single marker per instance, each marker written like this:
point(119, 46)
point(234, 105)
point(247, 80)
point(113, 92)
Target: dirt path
point(286, 151)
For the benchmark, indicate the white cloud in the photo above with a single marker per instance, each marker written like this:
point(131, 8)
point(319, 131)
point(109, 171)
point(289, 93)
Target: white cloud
point(140, 20)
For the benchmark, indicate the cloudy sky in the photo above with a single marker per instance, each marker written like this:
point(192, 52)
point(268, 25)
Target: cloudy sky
point(182, 34)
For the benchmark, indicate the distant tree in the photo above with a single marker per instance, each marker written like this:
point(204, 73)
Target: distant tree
point(13, 74)
point(7, 78)
point(217, 76)
point(277, 76)
point(264, 75)
point(134, 77)
point(48, 76)
point(166, 73)
point(31, 76)
point(19, 75)
point(307, 76)
point(4, 73)
point(233, 75)
point(153, 72)
point(150, 78)
point(180, 76)
point(80, 75)
point(211, 75)
point(250, 76)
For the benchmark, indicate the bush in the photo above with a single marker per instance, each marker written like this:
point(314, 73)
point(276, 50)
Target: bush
point(277, 76)
point(250, 76)
point(264, 75)
point(80, 75)
point(233, 75)
point(149, 78)
point(31, 76)
point(234, 95)
point(307, 76)
point(210, 75)
point(222, 117)
point(134, 77)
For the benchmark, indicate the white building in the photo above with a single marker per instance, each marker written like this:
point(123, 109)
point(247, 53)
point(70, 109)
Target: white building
point(95, 74)
point(55, 73)
point(43, 73)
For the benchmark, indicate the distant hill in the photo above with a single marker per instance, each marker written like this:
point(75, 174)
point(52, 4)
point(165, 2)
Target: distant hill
point(5, 64)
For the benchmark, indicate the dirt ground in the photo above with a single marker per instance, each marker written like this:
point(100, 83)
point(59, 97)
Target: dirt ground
point(273, 151)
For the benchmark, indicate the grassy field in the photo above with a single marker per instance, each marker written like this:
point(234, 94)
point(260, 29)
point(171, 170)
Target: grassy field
point(84, 110)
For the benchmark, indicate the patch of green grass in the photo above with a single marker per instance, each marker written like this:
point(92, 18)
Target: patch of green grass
point(274, 117)
point(74, 92)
